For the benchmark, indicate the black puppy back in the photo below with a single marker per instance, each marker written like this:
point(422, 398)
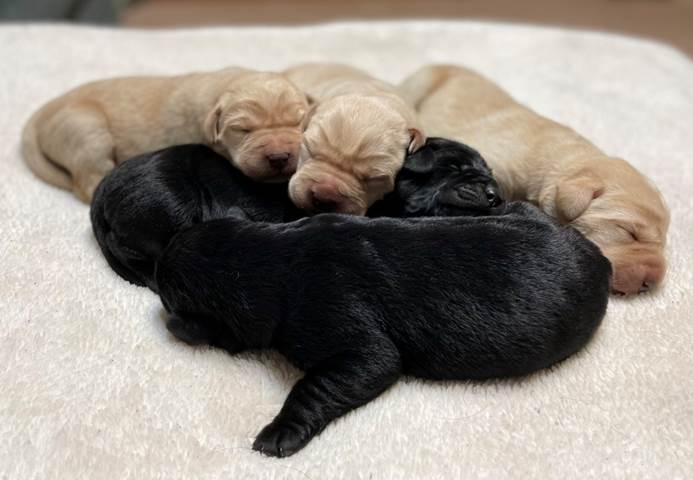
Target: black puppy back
point(357, 302)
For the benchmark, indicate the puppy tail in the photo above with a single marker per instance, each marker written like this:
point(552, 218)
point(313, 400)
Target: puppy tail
point(418, 86)
point(37, 161)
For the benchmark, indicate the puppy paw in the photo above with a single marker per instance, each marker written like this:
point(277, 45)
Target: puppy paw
point(281, 439)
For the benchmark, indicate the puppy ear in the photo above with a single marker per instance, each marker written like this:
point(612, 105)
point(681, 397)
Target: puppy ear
point(213, 124)
point(308, 116)
point(416, 140)
point(575, 195)
point(420, 162)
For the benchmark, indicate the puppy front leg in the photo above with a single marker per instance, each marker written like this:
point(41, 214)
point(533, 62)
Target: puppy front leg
point(335, 387)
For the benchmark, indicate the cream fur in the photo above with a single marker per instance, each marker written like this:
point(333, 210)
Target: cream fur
point(76, 139)
point(356, 138)
point(537, 159)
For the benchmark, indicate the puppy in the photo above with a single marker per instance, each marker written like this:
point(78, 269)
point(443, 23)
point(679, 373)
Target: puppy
point(358, 302)
point(142, 203)
point(355, 140)
point(251, 118)
point(549, 164)
point(444, 178)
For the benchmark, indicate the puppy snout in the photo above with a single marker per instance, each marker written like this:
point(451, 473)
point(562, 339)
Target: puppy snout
point(278, 161)
point(474, 196)
point(637, 277)
point(326, 198)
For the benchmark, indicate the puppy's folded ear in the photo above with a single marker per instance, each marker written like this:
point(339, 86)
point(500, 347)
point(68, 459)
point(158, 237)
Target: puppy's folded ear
point(416, 140)
point(420, 162)
point(573, 196)
point(214, 125)
point(308, 116)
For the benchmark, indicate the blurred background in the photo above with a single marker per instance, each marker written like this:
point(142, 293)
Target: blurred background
point(670, 21)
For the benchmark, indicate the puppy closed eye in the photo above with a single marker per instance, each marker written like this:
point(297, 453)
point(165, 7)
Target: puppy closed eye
point(382, 178)
point(630, 233)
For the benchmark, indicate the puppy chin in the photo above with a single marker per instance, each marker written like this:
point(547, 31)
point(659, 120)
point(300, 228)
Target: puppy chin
point(254, 168)
point(299, 192)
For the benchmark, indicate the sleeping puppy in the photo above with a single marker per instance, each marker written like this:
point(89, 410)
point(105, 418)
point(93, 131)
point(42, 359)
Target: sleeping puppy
point(358, 302)
point(444, 178)
point(142, 203)
point(251, 118)
point(355, 139)
point(537, 159)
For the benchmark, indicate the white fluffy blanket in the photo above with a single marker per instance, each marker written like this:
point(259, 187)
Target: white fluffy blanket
point(93, 386)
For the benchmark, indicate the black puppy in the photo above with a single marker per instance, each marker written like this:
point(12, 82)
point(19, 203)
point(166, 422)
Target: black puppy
point(357, 302)
point(444, 178)
point(141, 204)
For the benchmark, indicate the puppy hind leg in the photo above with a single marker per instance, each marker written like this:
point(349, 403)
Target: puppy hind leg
point(335, 387)
point(202, 330)
point(78, 138)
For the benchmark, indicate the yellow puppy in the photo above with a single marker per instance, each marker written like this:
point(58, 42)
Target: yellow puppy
point(355, 141)
point(252, 118)
point(539, 160)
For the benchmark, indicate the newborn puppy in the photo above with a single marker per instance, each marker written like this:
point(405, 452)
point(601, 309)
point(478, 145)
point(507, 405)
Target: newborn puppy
point(142, 203)
point(252, 118)
point(537, 159)
point(444, 178)
point(355, 139)
point(358, 302)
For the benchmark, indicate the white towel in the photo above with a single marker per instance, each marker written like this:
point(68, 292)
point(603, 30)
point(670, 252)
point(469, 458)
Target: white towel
point(93, 386)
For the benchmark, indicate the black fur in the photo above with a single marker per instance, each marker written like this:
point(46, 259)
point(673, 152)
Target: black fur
point(444, 178)
point(142, 203)
point(358, 302)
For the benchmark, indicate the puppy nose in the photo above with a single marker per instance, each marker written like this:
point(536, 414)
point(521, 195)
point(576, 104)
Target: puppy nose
point(494, 199)
point(325, 198)
point(324, 206)
point(630, 279)
point(278, 160)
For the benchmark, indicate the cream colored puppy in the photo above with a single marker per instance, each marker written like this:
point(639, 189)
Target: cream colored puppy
point(252, 118)
point(355, 140)
point(537, 159)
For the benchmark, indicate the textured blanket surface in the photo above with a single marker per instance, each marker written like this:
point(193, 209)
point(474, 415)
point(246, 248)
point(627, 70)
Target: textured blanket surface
point(93, 386)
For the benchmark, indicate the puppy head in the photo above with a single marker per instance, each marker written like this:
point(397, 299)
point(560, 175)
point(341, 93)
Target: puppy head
point(352, 149)
point(257, 123)
point(617, 208)
point(447, 178)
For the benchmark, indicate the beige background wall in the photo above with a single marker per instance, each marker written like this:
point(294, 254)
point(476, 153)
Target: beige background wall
point(665, 20)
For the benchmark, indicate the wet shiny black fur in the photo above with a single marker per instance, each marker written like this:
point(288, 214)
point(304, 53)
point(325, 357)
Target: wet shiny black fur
point(142, 203)
point(443, 178)
point(358, 302)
